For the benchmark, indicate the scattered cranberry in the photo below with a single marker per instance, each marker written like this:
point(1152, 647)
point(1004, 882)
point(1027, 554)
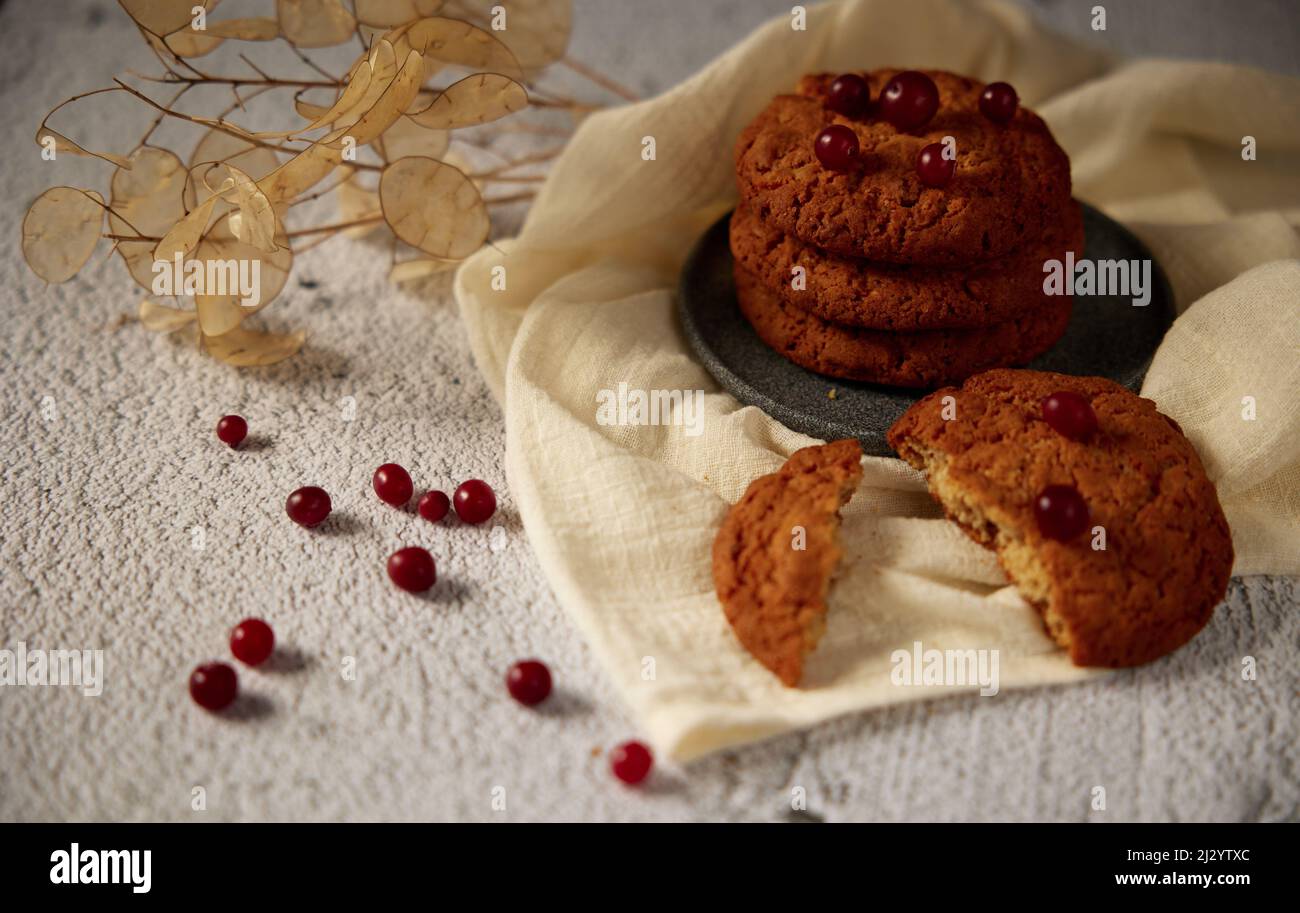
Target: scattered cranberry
point(909, 100)
point(308, 506)
point(1069, 414)
point(849, 95)
point(932, 168)
point(998, 102)
point(213, 686)
point(631, 762)
point(475, 501)
point(393, 484)
point(1060, 512)
point(412, 569)
point(434, 506)
point(837, 147)
point(252, 641)
point(232, 429)
point(529, 682)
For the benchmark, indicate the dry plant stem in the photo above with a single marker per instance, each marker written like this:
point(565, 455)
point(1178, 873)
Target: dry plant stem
point(221, 126)
point(311, 63)
point(492, 179)
point(264, 80)
point(157, 53)
point(600, 79)
point(303, 248)
point(320, 193)
point(532, 129)
point(563, 104)
point(113, 237)
point(159, 119)
point(511, 165)
point(336, 226)
point(513, 198)
point(254, 67)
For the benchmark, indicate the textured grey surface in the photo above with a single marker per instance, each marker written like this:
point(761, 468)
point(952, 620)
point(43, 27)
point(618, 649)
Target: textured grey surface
point(800, 399)
point(95, 552)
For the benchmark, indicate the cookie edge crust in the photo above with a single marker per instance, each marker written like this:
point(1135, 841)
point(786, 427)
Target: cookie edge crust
point(910, 359)
point(870, 300)
point(839, 467)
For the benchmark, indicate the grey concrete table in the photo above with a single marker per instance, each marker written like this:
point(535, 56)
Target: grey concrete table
point(109, 467)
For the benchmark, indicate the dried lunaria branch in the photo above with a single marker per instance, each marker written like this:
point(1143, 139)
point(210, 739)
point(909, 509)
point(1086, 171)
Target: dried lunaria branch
point(210, 226)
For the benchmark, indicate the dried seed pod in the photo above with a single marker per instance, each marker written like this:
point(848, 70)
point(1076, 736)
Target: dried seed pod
point(216, 146)
point(354, 94)
point(368, 82)
point(60, 231)
point(314, 23)
point(451, 41)
point(161, 17)
point(385, 14)
point(148, 199)
point(304, 170)
point(478, 99)
point(414, 270)
point(63, 144)
point(218, 313)
point(309, 110)
point(184, 236)
point(162, 319)
point(392, 102)
point(243, 348)
point(357, 203)
point(536, 31)
point(434, 207)
point(255, 221)
point(251, 29)
point(406, 137)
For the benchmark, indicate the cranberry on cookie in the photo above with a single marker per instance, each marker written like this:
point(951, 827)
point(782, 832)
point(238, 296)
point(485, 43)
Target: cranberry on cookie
point(1097, 505)
point(1011, 180)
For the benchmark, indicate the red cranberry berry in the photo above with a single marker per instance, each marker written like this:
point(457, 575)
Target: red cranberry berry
point(837, 147)
point(434, 506)
point(1060, 512)
point(393, 484)
point(252, 641)
point(213, 686)
point(998, 102)
point(1069, 414)
point(412, 569)
point(932, 168)
point(308, 506)
point(475, 501)
point(631, 762)
point(529, 682)
point(849, 95)
point(232, 429)
point(909, 100)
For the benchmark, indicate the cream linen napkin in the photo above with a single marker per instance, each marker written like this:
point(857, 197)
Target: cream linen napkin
point(623, 517)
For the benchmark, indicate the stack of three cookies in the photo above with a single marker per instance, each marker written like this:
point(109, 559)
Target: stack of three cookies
point(864, 266)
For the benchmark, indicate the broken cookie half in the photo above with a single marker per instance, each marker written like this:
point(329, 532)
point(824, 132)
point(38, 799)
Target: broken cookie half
point(776, 550)
point(1144, 554)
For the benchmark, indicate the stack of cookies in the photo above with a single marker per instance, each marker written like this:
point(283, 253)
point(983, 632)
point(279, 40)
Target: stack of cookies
point(893, 227)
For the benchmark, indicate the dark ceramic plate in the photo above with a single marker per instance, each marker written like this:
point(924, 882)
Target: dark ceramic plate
point(1108, 337)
